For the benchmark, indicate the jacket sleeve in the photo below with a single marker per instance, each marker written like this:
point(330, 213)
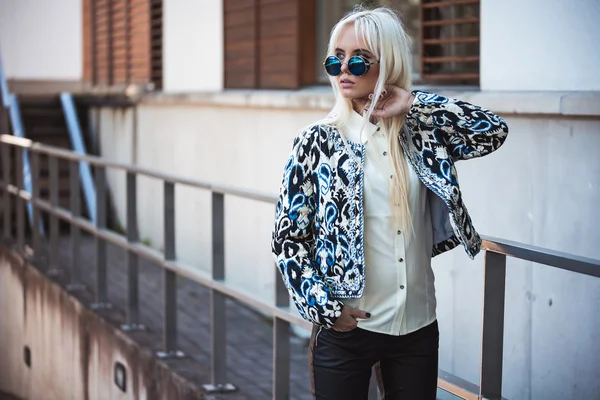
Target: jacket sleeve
point(293, 242)
point(468, 131)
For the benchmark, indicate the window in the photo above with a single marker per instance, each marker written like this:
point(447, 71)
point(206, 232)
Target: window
point(269, 44)
point(445, 36)
point(280, 44)
point(122, 42)
point(331, 11)
point(450, 41)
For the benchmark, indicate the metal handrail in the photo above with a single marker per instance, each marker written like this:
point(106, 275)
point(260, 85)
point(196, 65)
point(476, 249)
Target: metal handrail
point(496, 251)
point(3, 86)
point(11, 103)
point(539, 255)
point(89, 192)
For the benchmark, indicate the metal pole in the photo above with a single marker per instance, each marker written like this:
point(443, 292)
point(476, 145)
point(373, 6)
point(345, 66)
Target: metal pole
point(75, 193)
point(35, 194)
point(281, 343)
point(133, 313)
point(101, 281)
point(6, 150)
point(493, 326)
point(20, 203)
point(217, 301)
point(54, 222)
point(170, 278)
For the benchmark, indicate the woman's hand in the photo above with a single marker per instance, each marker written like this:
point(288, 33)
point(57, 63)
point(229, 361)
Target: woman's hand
point(347, 321)
point(393, 102)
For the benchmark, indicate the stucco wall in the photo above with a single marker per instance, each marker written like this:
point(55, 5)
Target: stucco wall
point(73, 350)
point(193, 45)
point(42, 40)
point(539, 45)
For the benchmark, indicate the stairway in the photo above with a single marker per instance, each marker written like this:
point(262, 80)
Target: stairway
point(44, 122)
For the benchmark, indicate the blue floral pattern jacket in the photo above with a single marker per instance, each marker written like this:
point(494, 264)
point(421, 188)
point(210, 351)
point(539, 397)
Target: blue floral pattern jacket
point(317, 238)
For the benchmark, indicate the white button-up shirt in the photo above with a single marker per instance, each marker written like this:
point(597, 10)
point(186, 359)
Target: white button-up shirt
point(399, 282)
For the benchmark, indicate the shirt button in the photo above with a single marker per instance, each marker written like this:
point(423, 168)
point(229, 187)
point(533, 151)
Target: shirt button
point(399, 232)
point(401, 259)
point(401, 286)
point(391, 176)
point(385, 153)
point(378, 128)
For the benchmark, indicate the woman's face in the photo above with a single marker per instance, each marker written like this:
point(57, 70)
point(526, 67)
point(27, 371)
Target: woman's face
point(355, 87)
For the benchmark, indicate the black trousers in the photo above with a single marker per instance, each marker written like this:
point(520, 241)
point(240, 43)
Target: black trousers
point(406, 366)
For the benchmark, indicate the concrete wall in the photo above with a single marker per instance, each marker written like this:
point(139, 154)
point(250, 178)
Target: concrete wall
point(541, 188)
point(73, 350)
point(193, 45)
point(540, 45)
point(41, 40)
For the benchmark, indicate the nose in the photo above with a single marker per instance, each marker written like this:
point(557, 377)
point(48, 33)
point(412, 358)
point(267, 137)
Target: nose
point(344, 68)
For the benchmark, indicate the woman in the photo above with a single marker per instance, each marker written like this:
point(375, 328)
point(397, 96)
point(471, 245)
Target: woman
point(369, 195)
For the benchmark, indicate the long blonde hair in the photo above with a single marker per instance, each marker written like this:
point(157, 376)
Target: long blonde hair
point(386, 39)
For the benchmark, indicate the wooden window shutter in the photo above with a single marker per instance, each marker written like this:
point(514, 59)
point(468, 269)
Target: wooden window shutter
point(270, 44)
point(156, 43)
point(450, 41)
point(122, 42)
point(241, 58)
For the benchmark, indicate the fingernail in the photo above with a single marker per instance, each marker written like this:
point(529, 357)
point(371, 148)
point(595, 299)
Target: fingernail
point(368, 315)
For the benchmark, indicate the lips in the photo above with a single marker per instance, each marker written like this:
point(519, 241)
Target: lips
point(346, 83)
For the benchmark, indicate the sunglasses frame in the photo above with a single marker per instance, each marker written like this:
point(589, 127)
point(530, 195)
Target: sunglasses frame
point(362, 58)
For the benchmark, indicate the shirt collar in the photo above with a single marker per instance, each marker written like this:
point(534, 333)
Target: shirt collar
point(353, 126)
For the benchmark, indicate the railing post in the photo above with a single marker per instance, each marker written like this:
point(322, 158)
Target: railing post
point(20, 202)
point(493, 326)
point(35, 195)
point(133, 313)
point(281, 343)
point(6, 150)
point(54, 227)
point(75, 200)
point(101, 281)
point(169, 278)
point(217, 302)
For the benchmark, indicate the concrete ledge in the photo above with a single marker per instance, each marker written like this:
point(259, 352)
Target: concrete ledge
point(73, 349)
point(585, 104)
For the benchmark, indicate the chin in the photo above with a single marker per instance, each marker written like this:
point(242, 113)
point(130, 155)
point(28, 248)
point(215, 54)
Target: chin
point(351, 93)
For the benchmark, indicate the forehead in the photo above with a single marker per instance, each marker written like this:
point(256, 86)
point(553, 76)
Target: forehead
point(349, 41)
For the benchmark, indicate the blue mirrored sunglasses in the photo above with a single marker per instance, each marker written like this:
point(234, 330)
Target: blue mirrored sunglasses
point(357, 65)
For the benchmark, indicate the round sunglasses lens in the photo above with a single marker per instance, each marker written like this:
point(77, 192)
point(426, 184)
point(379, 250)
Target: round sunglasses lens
point(333, 66)
point(357, 66)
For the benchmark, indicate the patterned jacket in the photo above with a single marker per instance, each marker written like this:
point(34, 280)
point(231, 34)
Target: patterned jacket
point(317, 239)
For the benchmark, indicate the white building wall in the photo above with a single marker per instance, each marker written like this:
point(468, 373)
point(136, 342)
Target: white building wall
point(542, 187)
point(41, 39)
point(193, 45)
point(540, 45)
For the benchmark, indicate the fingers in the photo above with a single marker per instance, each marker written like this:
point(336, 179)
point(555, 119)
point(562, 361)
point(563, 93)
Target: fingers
point(356, 313)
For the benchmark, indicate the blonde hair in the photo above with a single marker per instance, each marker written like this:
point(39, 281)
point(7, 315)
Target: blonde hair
point(386, 39)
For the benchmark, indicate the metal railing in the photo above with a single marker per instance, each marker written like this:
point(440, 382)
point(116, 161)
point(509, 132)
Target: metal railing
point(496, 251)
point(11, 103)
point(76, 136)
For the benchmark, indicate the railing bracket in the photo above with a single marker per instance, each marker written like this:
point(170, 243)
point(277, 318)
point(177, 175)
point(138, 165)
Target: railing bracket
point(220, 388)
point(100, 306)
point(133, 328)
point(163, 355)
point(54, 272)
point(75, 287)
